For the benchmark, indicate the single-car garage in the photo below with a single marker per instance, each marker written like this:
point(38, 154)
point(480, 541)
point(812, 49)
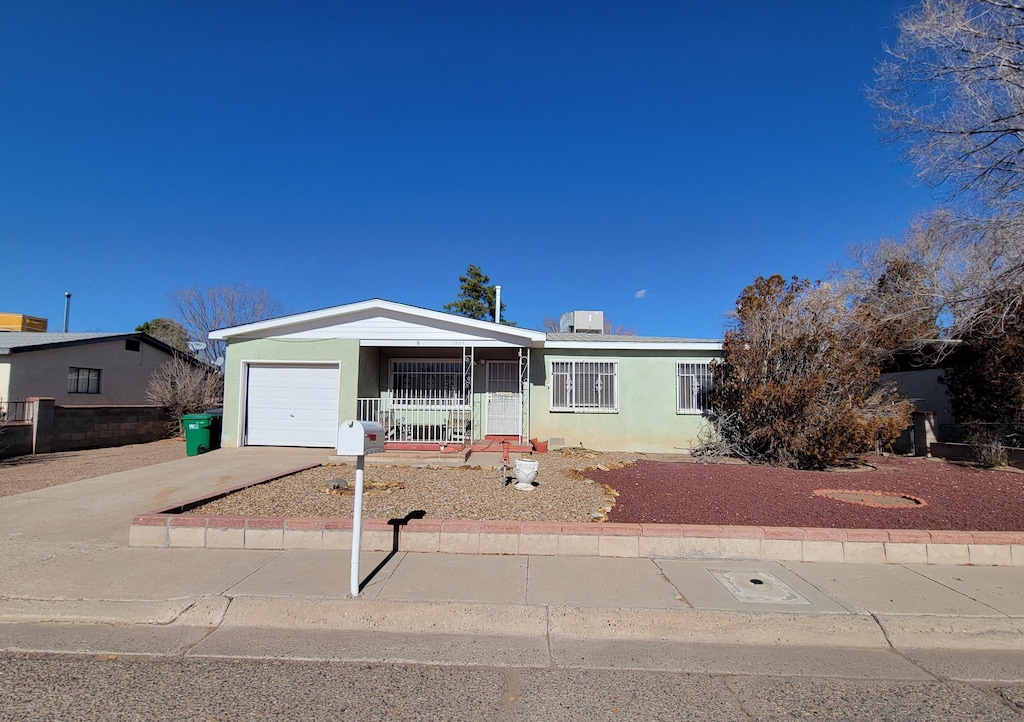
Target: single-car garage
point(292, 405)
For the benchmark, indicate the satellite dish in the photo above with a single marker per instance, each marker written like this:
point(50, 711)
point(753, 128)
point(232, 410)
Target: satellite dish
point(196, 345)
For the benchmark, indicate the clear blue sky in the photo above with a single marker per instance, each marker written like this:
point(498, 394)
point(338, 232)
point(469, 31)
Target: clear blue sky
point(648, 159)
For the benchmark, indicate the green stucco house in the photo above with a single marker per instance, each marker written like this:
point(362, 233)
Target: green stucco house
point(440, 381)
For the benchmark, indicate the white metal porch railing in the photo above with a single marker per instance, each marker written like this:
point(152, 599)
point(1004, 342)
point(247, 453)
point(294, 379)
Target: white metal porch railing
point(15, 411)
point(425, 421)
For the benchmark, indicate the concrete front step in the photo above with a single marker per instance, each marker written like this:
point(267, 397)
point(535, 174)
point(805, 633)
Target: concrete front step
point(864, 546)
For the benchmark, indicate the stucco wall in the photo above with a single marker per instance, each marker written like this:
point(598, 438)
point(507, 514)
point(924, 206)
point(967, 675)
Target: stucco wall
point(124, 375)
point(240, 354)
point(923, 388)
point(5, 380)
point(646, 419)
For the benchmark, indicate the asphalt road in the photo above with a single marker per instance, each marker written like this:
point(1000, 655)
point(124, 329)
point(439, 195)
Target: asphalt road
point(120, 688)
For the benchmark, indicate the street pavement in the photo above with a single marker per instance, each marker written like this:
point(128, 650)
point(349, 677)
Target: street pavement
point(894, 641)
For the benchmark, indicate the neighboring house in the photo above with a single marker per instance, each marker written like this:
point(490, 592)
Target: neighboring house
point(436, 380)
point(79, 369)
point(918, 377)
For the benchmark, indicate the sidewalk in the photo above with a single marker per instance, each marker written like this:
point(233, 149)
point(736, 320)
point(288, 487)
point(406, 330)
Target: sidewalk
point(70, 583)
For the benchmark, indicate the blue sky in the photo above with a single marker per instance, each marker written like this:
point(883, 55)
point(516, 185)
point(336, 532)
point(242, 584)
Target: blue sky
point(648, 159)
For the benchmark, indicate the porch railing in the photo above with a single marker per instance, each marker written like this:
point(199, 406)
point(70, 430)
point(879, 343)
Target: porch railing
point(425, 421)
point(15, 411)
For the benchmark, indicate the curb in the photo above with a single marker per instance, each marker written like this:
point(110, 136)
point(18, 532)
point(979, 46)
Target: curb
point(858, 546)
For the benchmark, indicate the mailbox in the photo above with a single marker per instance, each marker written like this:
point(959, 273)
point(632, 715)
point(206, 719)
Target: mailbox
point(356, 438)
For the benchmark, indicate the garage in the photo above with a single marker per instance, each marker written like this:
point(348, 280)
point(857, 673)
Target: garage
point(292, 405)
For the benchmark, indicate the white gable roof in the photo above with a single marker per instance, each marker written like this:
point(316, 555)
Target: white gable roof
point(384, 323)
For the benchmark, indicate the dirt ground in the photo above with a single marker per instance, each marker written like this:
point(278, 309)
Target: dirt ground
point(28, 473)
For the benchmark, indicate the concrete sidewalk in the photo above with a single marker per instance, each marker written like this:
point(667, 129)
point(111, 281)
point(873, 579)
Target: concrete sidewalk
point(70, 583)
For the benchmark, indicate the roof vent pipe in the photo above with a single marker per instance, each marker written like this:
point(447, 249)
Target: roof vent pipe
point(497, 304)
point(67, 310)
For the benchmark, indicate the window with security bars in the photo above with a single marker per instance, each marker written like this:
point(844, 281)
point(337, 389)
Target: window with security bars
point(585, 386)
point(83, 381)
point(427, 383)
point(693, 380)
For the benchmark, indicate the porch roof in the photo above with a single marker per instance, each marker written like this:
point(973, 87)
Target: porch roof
point(385, 323)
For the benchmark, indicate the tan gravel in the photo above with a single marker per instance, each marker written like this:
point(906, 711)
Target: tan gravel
point(562, 492)
point(28, 473)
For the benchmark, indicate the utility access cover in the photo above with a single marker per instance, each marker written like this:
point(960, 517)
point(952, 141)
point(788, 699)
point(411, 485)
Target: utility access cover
point(757, 587)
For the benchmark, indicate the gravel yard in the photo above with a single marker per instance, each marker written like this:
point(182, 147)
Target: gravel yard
point(563, 492)
point(571, 487)
point(648, 489)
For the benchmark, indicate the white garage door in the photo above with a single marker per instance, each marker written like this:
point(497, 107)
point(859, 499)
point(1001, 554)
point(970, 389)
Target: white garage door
point(292, 406)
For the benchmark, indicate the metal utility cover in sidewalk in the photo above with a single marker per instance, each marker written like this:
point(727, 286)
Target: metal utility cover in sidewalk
point(757, 586)
point(727, 585)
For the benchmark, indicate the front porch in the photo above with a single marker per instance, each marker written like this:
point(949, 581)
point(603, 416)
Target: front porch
point(438, 401)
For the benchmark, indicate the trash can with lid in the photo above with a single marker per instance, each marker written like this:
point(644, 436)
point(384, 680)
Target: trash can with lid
point(202, 431)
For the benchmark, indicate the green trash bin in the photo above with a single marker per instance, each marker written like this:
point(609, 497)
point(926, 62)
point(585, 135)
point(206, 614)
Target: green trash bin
point(202, 432)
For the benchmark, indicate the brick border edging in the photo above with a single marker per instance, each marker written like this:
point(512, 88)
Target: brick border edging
point(878, 546)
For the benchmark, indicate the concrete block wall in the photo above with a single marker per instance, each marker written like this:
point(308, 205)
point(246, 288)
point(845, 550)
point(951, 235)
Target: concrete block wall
point(70, 428)
point(15, 439)
point(93, 427)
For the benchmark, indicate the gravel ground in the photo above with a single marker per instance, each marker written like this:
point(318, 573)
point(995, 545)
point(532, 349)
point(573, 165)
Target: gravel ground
point(563, 492)
point(28, 473)
point(648, 489)
point(958, 497)
point(641, 490)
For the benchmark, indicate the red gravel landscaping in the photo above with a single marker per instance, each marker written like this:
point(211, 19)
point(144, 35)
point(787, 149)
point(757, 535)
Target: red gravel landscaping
point(959, 498)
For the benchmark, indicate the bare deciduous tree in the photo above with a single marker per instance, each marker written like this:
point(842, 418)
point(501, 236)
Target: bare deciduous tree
point(952, 90)
point(953, 268)
point(185, 386)
point(203, 310)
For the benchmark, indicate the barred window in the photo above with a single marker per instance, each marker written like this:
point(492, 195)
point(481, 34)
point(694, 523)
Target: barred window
point(83, 381)
point(427, 383)
point(585, 386)
point(692, 383)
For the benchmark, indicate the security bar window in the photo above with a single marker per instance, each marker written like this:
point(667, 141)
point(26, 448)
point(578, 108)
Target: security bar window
point(83, 381)
point(692, 383)
point(429, 383)
point(585, 386)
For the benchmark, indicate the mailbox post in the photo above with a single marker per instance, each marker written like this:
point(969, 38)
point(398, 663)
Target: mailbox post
point(358, 438)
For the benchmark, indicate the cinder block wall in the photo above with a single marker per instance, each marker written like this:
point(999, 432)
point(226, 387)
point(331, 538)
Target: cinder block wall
point(94, 427)
point(15, 439)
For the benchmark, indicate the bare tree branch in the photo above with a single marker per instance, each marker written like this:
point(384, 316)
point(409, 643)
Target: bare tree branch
point(203, 310)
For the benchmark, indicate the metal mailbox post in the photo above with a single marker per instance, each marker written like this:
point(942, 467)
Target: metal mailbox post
point(358, 438)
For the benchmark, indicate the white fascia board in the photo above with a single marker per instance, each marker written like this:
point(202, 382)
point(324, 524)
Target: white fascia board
point(637, 345)
point(456, 343)
point(268, 328)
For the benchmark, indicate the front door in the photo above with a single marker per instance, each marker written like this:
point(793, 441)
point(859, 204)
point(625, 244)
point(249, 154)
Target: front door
point(504, 399)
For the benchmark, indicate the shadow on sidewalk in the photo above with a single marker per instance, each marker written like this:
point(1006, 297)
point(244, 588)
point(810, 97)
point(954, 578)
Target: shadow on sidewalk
point(397, 524)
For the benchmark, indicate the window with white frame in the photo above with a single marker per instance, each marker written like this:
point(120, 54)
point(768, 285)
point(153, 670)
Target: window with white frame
point(427, 383)
point(693, 380)
point(83, 381)
point(585, 386)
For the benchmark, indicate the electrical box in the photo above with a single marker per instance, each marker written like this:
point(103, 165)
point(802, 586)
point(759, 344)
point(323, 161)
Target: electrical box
point(357, 438)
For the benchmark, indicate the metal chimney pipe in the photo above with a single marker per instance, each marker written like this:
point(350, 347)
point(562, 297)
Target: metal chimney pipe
point(497, 304)
point(67, 310)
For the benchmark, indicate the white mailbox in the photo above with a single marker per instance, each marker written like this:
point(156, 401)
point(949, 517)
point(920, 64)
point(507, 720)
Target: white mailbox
point(356, 438)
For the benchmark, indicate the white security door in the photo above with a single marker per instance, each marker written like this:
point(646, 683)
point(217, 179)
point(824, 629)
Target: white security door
point(292, 405)
point(504, 399)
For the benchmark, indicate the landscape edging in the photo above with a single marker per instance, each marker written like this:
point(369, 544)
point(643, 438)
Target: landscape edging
point(605, 539)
